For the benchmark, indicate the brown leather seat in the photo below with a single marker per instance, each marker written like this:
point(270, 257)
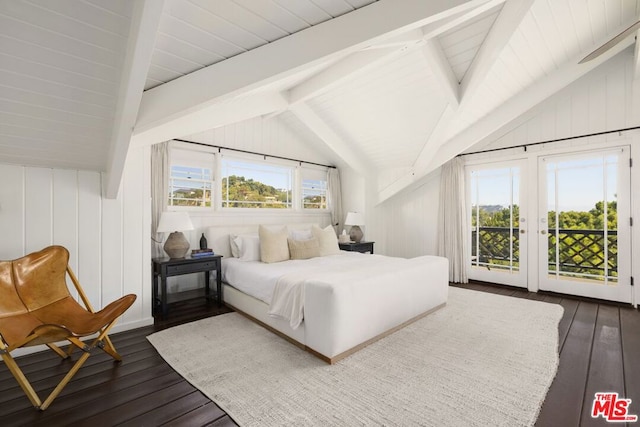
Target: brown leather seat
point(37, 308)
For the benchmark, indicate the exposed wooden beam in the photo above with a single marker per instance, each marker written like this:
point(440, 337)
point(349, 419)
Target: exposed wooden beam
point(219, 114)
point(499, 35)
point(288, 56)
point(331, 139)
point(502, 116)
point(441, 67)
point(142, 37)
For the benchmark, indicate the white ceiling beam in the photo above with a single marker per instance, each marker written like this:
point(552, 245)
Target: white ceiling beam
point(289, 55)
point(213, 116)
point(441, 68)
point(502, 116)
point(331, 139)
point(142, 38)
point(499, 35)
point(398, 41)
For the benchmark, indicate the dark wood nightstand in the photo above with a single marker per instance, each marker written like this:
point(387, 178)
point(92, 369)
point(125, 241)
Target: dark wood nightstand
point(363, 247)
point(167, 267)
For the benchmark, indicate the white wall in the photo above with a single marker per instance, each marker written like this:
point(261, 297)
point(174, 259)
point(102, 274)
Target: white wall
point(107, 239)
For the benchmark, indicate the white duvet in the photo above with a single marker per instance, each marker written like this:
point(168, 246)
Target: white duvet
point(281, 285)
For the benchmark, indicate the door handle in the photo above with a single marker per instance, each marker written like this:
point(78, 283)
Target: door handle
point(543, 231)
point(522, 231)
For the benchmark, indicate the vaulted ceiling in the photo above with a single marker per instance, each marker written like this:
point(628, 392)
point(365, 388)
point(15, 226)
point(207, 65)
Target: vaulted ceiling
point(390, 88)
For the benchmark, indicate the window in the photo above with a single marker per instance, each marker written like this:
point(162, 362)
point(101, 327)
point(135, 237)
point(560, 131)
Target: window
point(252, 184)
point(191, 178)
point(314, 188)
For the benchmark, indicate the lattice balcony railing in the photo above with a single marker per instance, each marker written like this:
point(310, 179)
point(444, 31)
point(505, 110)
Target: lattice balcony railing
point(581, 252)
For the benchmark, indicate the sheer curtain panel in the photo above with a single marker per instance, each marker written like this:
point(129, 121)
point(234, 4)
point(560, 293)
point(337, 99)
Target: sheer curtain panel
point(334, 191)
point(453, 242)
point(159, 191)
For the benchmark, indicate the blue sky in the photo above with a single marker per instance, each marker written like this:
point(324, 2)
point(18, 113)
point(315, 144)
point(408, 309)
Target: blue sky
point(580, 184)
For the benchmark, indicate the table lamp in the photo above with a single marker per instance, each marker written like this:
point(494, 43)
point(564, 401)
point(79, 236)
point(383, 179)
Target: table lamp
point(355, 220)
point(176, 245)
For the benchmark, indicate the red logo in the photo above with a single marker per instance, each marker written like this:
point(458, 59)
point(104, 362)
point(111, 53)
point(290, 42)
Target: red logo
point(611, 408)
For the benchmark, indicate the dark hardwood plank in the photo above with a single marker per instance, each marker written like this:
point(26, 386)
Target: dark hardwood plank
point(570, 307)
point(630, 333)
point(146, 403)
point(605, 369)
point(170, 411)
point(563, 404)
point(204, 415)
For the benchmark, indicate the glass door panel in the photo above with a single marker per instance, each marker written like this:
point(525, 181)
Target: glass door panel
point(584, 225)
point(498, 236)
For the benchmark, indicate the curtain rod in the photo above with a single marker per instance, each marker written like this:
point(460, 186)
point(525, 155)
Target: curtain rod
point(220, 147)
point(551, 140)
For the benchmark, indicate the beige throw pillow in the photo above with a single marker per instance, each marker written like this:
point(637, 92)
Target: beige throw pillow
point(327, 239)
point(273, 244)
point(304, 249)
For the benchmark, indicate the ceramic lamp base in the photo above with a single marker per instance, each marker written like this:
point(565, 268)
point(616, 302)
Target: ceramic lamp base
point(176, 245)
point(355, 234)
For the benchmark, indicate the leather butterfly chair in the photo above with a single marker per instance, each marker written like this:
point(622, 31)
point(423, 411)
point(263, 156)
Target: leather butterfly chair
point(37, 308)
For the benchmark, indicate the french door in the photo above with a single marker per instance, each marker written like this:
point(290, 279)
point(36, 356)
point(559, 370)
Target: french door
point(497, 220)
point(584, 235)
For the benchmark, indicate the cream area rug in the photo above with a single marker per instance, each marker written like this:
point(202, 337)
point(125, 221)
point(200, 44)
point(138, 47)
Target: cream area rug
point(483, 360)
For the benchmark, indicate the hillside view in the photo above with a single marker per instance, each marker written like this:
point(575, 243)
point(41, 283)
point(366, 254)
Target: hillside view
point(240, 192)
point(578, 252)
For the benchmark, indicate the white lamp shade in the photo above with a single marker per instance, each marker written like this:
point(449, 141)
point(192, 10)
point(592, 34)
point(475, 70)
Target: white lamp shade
point(354, 218)
point(174, 221)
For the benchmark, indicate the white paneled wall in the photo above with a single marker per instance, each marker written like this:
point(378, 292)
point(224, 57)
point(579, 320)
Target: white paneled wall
point(108, 240)
point(407, 225)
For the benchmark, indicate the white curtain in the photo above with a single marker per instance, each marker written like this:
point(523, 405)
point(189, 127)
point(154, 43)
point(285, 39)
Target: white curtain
point(334, 196)
point(159, 192)
point(453, 236)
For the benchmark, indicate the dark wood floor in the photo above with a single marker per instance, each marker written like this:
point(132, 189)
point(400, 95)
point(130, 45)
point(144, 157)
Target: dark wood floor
point(599, 351)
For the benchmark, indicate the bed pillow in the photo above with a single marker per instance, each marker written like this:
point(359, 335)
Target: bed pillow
point(327, 239)
point(249, 247)
point(301, 234)
point(273, 244)
point(234, 242)
point(304, 249)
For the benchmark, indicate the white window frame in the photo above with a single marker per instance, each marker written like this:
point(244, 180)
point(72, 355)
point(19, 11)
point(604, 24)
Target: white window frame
point(179, 155)
point(314, 173)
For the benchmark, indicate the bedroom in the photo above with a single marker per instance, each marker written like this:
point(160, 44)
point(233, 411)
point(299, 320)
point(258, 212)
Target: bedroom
point(64, 174)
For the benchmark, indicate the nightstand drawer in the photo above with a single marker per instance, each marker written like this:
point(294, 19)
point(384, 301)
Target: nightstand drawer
point(191, 268)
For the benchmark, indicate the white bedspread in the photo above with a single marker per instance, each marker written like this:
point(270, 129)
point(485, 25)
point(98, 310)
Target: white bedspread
point(281, 285)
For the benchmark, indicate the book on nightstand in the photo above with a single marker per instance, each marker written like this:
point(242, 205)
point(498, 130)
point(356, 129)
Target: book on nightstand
point(199, 253)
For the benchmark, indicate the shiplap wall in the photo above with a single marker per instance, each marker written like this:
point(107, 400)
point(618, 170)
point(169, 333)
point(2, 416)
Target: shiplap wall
point(406, 225)
point(108, 239)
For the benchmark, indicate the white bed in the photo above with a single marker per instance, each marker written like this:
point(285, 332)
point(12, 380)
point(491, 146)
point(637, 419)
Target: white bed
point(344, 301)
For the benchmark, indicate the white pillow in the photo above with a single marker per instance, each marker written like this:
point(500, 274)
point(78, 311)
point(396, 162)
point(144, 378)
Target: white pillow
point(301, 234)
point(249, 247)
point(234, 242)
point(327, 239)
point(273, 244)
